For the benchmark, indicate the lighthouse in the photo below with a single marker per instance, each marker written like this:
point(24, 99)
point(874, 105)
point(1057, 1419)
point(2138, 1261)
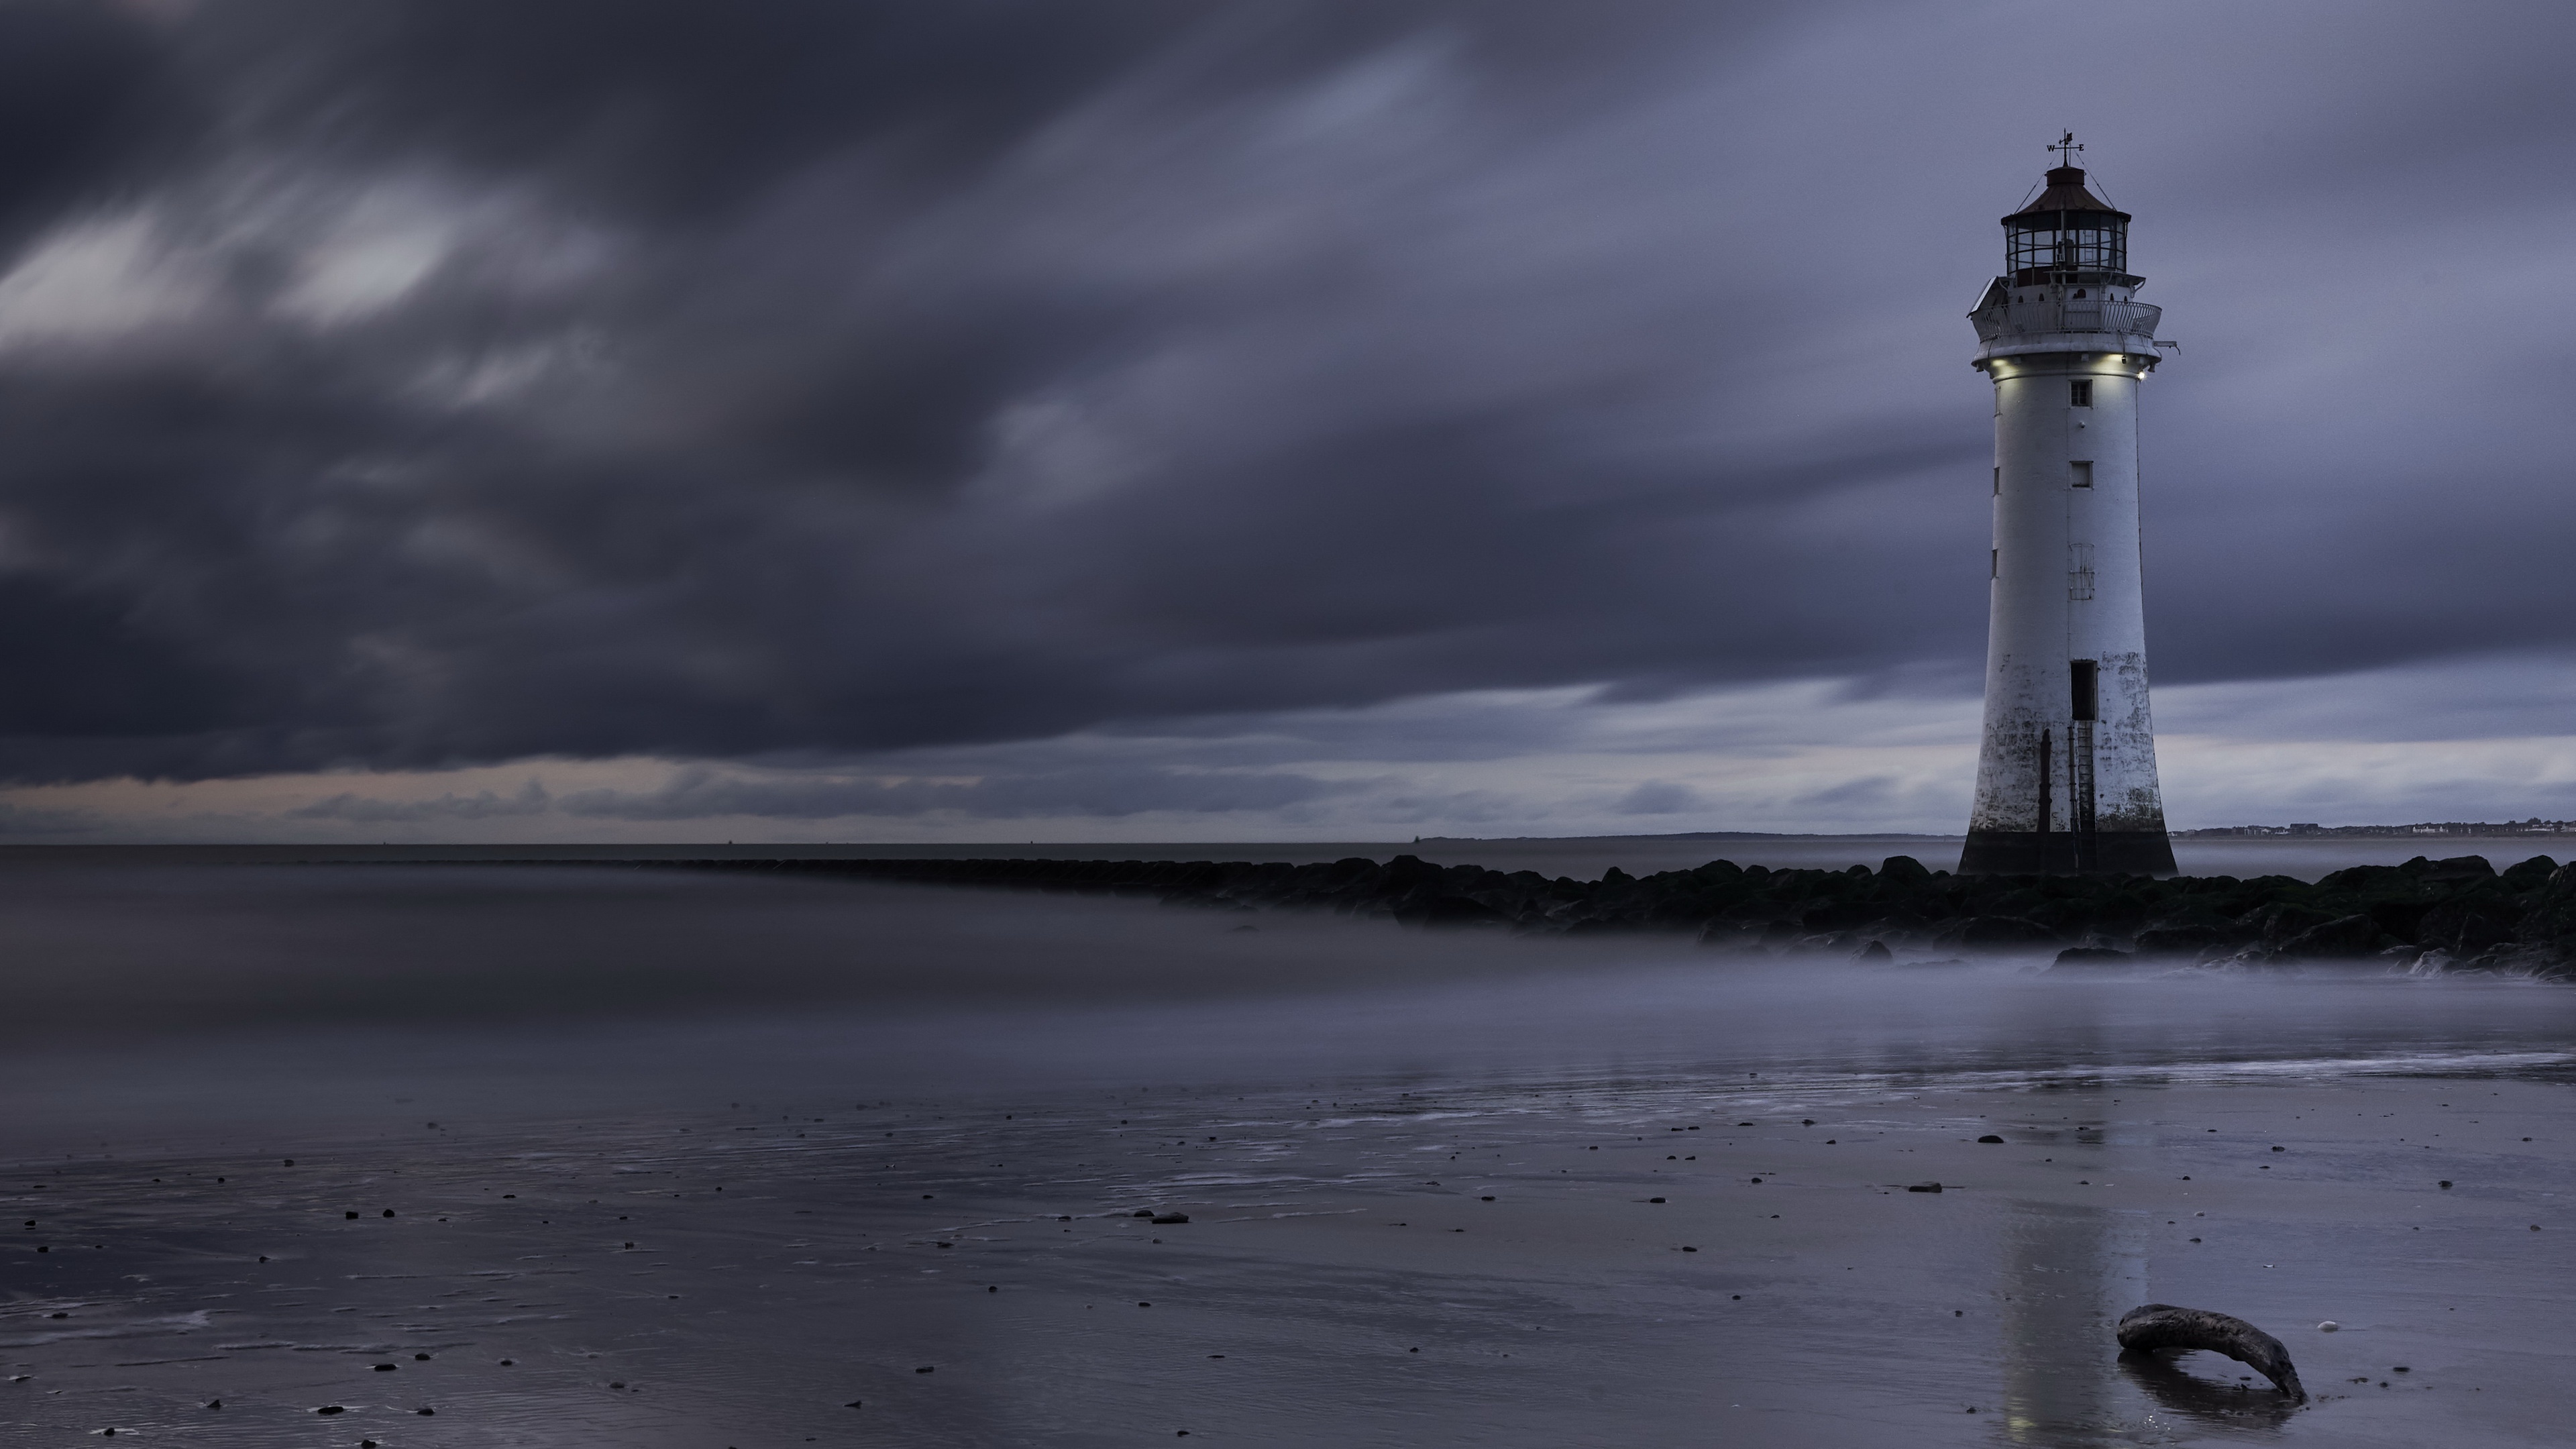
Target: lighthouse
point(2066, 776)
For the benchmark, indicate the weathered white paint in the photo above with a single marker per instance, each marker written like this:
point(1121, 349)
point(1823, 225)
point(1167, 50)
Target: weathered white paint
point(2067, 585)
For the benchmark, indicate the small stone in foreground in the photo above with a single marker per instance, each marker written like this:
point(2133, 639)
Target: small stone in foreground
point(1923, 1187)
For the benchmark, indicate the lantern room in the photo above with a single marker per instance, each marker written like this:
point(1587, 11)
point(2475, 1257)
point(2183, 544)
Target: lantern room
point(2067, 235)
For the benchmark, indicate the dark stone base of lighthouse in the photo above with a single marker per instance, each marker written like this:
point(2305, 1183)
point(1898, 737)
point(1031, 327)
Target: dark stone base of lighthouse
point(2027, 852)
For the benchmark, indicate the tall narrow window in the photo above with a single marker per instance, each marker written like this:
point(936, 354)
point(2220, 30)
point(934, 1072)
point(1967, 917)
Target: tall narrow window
point(2079, 571)
point(2082, 392)
point(2083, 474)
point(2081, 674)
point(1999, 480)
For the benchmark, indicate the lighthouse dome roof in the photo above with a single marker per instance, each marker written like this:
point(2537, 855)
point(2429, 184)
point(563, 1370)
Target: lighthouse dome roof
point(2066, 192)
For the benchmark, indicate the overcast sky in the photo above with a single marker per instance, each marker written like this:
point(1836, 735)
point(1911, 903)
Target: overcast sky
point(817, 419)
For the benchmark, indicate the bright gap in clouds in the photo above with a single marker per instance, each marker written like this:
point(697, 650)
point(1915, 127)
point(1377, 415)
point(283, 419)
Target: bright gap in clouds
point(1824, 756)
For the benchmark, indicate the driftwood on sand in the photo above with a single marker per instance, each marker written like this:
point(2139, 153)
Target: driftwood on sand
point(2163, 1326)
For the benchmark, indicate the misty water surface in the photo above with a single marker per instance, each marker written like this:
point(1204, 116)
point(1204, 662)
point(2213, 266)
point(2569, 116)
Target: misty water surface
point(712, 1158)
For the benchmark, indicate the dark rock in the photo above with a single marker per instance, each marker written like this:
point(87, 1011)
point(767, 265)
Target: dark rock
point(2528, 875)
point(1836, 943)
point(1449, 911)
point(1602, 925)
point(2000, 931)
point(2403, 919)
point(2067, 917)
point(1990, 1137)
point(2367, 879)
point(2173, 914)
point(1903, 869)
point(2156, 1327)
point(1924, 1187)
point(1161, 1218)
point(1732, 938)
point(2179, 940)
point(1839, 916)
point(2550, 921)
point(2468, 926)
point(2092, 956)
point(2345, 938)
point(2522, 922)
point(2279, 921)
point(1875, 954)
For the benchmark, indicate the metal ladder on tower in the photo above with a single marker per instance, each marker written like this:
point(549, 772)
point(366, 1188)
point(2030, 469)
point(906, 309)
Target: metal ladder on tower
point(2079, 795)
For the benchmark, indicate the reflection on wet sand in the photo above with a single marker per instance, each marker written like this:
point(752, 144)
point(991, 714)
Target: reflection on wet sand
point(2069, 1273)
point(2184, 1398)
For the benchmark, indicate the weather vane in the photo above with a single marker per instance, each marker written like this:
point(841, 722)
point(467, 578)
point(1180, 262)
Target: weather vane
point(2066, 149)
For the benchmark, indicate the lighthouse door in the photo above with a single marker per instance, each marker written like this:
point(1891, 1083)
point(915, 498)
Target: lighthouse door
point(2083, 677)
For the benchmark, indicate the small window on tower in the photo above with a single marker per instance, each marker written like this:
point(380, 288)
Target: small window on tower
point(2081, 674)
point(2083, 474)
point(1999, 480)
point(2082, 389)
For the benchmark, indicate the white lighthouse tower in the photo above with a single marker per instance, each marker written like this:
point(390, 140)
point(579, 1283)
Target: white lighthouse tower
point(2066, 780)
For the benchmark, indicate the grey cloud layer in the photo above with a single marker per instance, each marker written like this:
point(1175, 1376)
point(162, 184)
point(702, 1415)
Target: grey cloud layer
point(413, 384)
point(703, 794)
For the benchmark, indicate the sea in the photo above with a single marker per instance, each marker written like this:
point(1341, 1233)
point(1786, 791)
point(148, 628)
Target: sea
point(484, 1147)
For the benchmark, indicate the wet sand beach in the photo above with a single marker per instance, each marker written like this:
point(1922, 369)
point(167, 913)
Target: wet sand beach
point(749, 1206)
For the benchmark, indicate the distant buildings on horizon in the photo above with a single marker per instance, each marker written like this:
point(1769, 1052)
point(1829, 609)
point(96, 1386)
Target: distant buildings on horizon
point(2534, 826)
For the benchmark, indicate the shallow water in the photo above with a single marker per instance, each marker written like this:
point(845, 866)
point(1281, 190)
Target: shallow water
point(787, 1095)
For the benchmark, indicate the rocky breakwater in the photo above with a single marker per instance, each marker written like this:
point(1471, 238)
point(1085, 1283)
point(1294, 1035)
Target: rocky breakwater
point(2427, 916)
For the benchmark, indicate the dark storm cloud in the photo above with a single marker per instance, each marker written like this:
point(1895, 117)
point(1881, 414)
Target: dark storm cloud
point(418, 384)
point(88, 105)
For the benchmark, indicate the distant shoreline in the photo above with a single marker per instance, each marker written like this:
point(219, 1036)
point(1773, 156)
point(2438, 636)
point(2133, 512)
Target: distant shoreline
point(1685, 835)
